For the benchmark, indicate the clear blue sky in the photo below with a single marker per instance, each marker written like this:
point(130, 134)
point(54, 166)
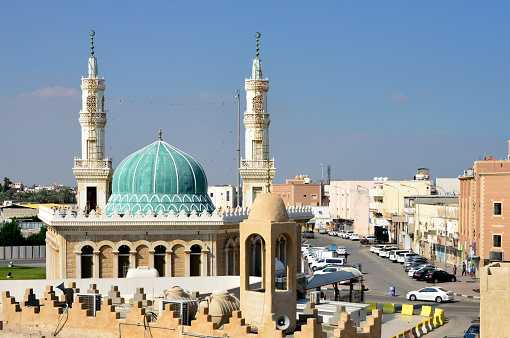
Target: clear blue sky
point(372, 88)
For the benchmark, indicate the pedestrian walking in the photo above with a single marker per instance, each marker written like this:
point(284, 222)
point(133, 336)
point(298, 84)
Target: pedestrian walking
point(455, 270)
point(346, 256)
point(463, 268)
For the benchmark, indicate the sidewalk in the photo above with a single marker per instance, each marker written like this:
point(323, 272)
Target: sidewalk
point(465, 286)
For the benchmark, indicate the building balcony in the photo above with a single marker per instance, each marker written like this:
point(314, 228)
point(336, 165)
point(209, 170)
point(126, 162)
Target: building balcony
point(376, 192)
point(376, 206)
point(92, 164)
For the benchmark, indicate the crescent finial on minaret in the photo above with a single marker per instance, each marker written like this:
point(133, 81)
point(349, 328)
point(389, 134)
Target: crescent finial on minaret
point(160, 133)
point(257, 36)
point(92, 33)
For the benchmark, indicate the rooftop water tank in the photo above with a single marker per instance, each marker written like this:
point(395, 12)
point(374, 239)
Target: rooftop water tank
point(221, 304)
point(142, 272)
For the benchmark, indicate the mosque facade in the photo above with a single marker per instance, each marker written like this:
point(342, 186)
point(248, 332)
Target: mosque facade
point(158, 214)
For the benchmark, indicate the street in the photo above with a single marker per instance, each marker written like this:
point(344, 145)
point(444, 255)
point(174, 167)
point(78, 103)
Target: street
point(380, 273)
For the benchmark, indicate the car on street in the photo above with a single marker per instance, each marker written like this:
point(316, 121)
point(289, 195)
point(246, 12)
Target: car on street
point(341, 250)
point(347, 234)
point(354, 237)
point(437, 276)
point(384, 252)
point(411, 265)
point(368, 240)
point(393, 255)
point(413, 270)
point(376, 248)
point(435, 294)
point(322, 263)
point(420, 274)
point(405, 255)
point(332, 233)
point(472, 331)
point(308, 234)
point(323, 231)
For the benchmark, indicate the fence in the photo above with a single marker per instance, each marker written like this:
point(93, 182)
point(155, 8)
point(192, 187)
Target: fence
point(22, 252)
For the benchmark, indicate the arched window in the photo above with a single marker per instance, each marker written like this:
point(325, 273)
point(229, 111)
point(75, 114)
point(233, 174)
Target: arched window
point(124, 253)
point(195, 260)
point(160, 259)
point(86, 261)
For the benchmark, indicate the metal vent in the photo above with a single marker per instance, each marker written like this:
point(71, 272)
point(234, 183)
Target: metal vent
point(92, 302)
point(495, 256)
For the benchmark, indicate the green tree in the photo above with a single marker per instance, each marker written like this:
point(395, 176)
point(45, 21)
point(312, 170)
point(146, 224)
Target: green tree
point(10, 234)
point(7, 184)
point(38, 238)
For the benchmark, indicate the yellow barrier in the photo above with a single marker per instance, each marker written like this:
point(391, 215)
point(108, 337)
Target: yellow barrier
point(439, 313)
point(372, 306)
point(408, 309)
point(426, 311)
point(389, 308)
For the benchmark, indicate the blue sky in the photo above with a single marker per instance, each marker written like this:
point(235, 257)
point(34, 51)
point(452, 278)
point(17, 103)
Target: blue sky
point(371, 88)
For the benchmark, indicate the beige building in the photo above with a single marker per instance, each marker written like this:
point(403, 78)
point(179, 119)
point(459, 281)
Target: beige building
point(485, 213)
point(495, 300)
point(299, 191)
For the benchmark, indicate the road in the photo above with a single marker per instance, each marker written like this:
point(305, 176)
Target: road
point(35, 263)
point(380, 273)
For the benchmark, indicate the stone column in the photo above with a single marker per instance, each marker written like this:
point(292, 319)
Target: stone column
point(187, 260)
point(95, 264)
point(237, 266)
point(115, 264)
point(151, 258)
point(205, 261)
point(78, 264)
point(227, 252)
point(253, 260)
point(132, 259)
point(169, 263)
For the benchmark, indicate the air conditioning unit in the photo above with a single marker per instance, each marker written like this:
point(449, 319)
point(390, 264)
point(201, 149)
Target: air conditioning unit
point(92, 301)
point(182, 307)
point(495, 256)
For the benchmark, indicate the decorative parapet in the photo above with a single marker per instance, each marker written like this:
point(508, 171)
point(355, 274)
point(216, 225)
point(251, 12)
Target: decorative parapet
point(94, 164)
point(56, 216)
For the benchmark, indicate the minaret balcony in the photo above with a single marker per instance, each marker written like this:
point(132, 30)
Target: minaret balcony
point(93, 164)
point(257, 164)
point(251, 84)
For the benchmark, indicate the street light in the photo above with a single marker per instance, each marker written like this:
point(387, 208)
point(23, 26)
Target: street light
point(368, 193)
point(417, 207)
point(397, 228)
point(445, 225)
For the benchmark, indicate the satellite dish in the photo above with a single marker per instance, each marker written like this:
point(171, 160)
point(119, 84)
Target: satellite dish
point(282, 322)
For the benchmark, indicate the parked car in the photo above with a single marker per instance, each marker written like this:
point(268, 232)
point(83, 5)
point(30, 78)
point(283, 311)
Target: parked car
point(411, 265)
point(308, 234)
point(437, 276)
point(340, 233)
point(341, 250)
point(435, 294)
point(332, 233)
point(420, 274)
point(368, 240)
point(347, 234)
point(393, 255)
point(473, 331)
point(354, 237)
point(323, 231)
point(376, 248)
point(384, 252)
point(413, 270)
point(322, 263)
point(403, 256)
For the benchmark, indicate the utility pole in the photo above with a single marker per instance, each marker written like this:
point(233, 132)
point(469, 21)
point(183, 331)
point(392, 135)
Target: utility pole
point(238, 96)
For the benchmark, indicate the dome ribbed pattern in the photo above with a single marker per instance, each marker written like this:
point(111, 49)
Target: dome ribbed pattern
point(159, 177)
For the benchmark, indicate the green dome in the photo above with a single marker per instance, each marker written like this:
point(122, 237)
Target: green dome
point(159, 177)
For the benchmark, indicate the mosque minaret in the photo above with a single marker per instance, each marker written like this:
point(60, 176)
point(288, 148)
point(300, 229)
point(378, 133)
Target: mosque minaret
point(93, 170)
point(254, 166)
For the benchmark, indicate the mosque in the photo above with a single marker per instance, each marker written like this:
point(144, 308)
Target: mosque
point(158, 214)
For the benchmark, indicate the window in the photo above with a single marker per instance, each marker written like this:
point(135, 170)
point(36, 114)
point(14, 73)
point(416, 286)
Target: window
point(497, 208)
point(496, 241)
point(228, 196)
point(314, 197)
point(211, 194)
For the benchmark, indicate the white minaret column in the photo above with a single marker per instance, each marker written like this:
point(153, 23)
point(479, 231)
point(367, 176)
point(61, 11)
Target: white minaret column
point(93, 170)
point(254, 166)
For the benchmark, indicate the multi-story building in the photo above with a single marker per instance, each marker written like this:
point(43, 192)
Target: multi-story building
point(223, 196)
point(485, 212)
point(299, 191)
point(426, 217)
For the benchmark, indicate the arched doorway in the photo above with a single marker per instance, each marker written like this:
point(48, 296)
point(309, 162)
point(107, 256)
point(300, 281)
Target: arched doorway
point(124, 253)
point(87, 253)
point(195, 261)
point(159, 259)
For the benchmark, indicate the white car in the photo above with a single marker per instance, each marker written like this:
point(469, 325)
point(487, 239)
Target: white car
point(413, 270)
point(322, 263)
point(354, 237)
point(434, 294)
point(403, 256)
point(377, 248)
point(347, 234)
point(385, 252)
point(341, 250)
point(394, 254)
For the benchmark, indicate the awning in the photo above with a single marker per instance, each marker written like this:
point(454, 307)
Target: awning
point(329, 278)
point(311, 222)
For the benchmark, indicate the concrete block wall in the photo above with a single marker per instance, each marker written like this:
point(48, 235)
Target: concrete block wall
point(22, 252)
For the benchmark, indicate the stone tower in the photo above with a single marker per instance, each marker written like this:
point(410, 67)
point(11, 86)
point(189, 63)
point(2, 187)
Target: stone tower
point(268, 235)
point(93, 170)
point(256, 142)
